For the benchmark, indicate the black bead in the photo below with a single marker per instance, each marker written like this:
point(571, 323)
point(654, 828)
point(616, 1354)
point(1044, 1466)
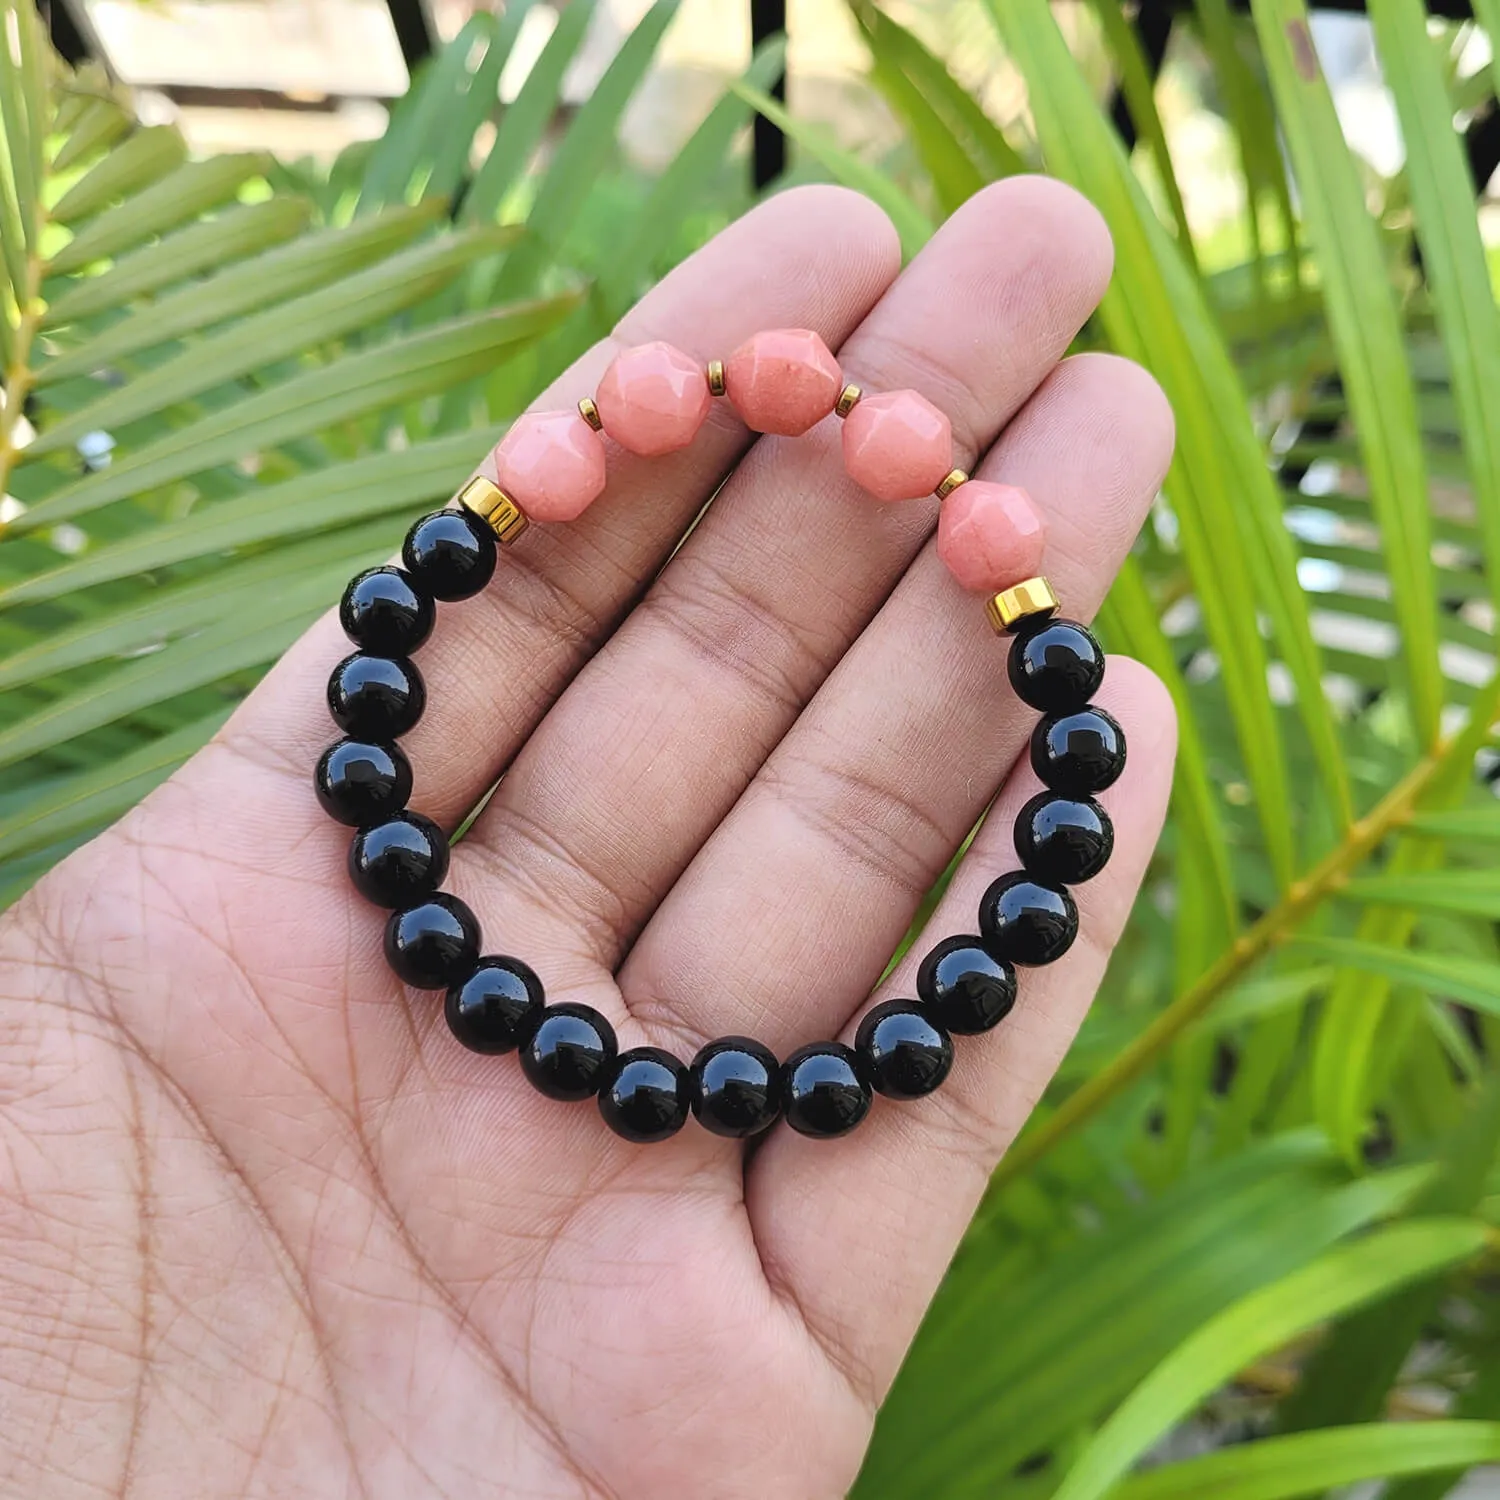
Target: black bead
point(963, 984)
point(1064, 840)
point(385, 613)
point(358, 783)
point(734, 1087)
point(495, 1009)
point(1026, 922)
point(450, 553)
point(570, 1052)
point(903, 1051)
point(397, 862)
point(376, 697)
point(433, 944)
point(823, 1090)
point(1056, 666)
point(1080, 753)
point(646, 1096)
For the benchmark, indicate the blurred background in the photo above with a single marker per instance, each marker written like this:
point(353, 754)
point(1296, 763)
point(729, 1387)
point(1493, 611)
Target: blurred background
point(273, 273)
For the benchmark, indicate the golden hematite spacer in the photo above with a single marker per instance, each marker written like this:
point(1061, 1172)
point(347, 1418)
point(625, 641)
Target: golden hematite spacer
point(716, 377)
point(590, 413)
point(950, 482)
point(504, 517)
point(848, 399)
point(1028, 600)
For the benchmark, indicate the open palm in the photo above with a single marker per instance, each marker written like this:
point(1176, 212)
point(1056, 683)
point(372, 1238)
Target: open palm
point(265, 1229)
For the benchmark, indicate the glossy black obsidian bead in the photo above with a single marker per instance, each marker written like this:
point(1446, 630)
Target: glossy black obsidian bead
point(397, 862)
point(646, 1095)
point(450, 554)
point(433, 944)
point(734, 1087)
point(963, 984)
point(1027, 922)
point(1056, 666)
point(376, 697)
point(1063, 840)
point(385, 613)
point(570, 1052)
point(824, 1091)
point(359, 783)
point(497, 1007)
point(902, 1050)
point(1078, 754)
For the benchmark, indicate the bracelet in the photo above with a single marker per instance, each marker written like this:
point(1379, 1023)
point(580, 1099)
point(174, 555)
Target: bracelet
point(551, 466)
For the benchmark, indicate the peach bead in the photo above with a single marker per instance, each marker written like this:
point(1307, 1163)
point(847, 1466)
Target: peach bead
point(897, 445)
point(783, 381)
point(653, 399)
point(551, 463)
point(990, 535)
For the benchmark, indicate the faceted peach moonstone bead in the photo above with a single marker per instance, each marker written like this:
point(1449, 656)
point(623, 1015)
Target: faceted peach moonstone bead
point(551, 463)
point(897, 445)
point(783, 380)
point(990, 535)
point(653, 399)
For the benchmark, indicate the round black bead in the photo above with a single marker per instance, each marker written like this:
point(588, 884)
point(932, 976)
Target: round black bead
point(496, 1008)
point(1026, 922)
point(570, 1052)
point(1056, 666)
point(376, 697)
point(433, 944)
point(646, 1096)
point(967, 989)
point(1080, 753)
point(385, 613)
point(1064, 840)
point(734, 1087)
point(358, 783)
point(903, 1051)
point(823, 1090)
point(397, 862)
point(450, 553)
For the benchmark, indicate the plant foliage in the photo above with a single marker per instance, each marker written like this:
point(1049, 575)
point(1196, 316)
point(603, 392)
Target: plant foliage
point(1259, 1198)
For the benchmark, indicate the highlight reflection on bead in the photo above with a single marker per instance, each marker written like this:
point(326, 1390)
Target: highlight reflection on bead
point(735, 1087)
point(653, 399)
point(569, 1052)
point(645, 1097)
point(1025, 921)
point(552, 462)
point(359, 782)
point(496, 1007)
point(1063, 840)
point(823, 1090)
point(433, 944)
point(963, 984)
point(376, 697)
point(903, 1051)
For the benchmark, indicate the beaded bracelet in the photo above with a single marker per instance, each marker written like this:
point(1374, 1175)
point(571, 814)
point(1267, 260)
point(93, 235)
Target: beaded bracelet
point(551, 465)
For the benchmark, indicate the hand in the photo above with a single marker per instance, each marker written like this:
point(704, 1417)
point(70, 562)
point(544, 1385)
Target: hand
point(266, 1229)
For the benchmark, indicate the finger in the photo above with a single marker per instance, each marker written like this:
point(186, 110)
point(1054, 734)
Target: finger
point(653, 743)
point(894, 1196)
point(782, 924)
point(819, 257)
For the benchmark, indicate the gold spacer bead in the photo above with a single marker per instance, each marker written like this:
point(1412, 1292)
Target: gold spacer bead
point(950, 482)
point(488, 501)
point(716, 377)
point(848, 399)
point(1031, 599)
point(590, 413)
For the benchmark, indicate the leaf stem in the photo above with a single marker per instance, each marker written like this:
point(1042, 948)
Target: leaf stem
point(1301, 899)
point(19, 377)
